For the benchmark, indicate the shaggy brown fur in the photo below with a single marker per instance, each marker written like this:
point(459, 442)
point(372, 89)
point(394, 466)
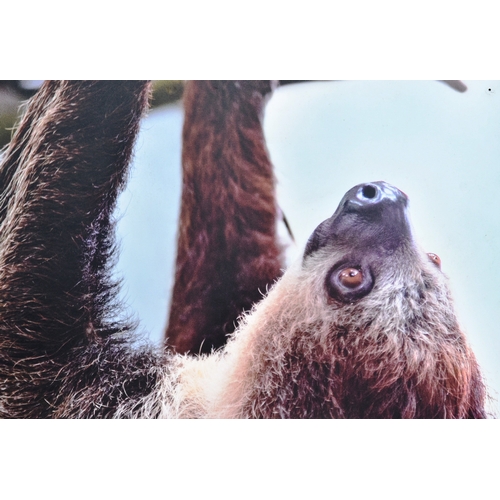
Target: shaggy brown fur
point(228, 253)
point(59, 354)
point(378, 340)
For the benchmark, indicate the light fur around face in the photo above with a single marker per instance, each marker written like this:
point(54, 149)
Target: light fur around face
point(397, 352)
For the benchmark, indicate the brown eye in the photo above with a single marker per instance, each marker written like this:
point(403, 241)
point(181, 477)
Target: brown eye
point(351, 277)
point(348, 283)
point(435, 259)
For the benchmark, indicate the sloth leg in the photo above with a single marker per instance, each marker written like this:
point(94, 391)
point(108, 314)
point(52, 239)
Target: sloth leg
point(59, 181)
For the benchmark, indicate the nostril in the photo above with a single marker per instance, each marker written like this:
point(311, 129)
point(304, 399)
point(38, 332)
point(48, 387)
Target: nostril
point(369, 191)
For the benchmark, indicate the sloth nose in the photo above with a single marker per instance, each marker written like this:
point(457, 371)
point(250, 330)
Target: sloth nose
point(374, 193)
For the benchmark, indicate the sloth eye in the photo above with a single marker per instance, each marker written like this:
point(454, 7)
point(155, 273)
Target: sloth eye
point(351, 277)
point(435, 259)
point(349, 283)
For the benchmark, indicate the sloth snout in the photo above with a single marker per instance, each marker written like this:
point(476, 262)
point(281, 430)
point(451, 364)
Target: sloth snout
point(374, 193)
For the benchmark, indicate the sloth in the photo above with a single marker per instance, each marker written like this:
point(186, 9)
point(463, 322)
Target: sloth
point(361, 326)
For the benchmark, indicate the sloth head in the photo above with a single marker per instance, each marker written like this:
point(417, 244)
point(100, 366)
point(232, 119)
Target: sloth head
point(363, 325)
point(363, 239)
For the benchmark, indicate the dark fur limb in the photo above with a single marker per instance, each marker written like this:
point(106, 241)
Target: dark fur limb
point(59, 179)
point(228, 253)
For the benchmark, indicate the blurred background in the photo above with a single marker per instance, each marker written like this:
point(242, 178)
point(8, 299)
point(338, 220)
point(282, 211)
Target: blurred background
point(439, 145)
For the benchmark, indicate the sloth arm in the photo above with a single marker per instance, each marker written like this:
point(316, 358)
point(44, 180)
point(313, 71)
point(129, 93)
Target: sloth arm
point(59, 180)
point(228, 252)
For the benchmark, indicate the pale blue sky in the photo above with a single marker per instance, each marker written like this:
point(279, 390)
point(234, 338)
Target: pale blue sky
point(440, 147)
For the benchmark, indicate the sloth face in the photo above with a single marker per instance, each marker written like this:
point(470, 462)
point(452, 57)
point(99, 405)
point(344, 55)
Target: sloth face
point(368, 231)
point(369, 274)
